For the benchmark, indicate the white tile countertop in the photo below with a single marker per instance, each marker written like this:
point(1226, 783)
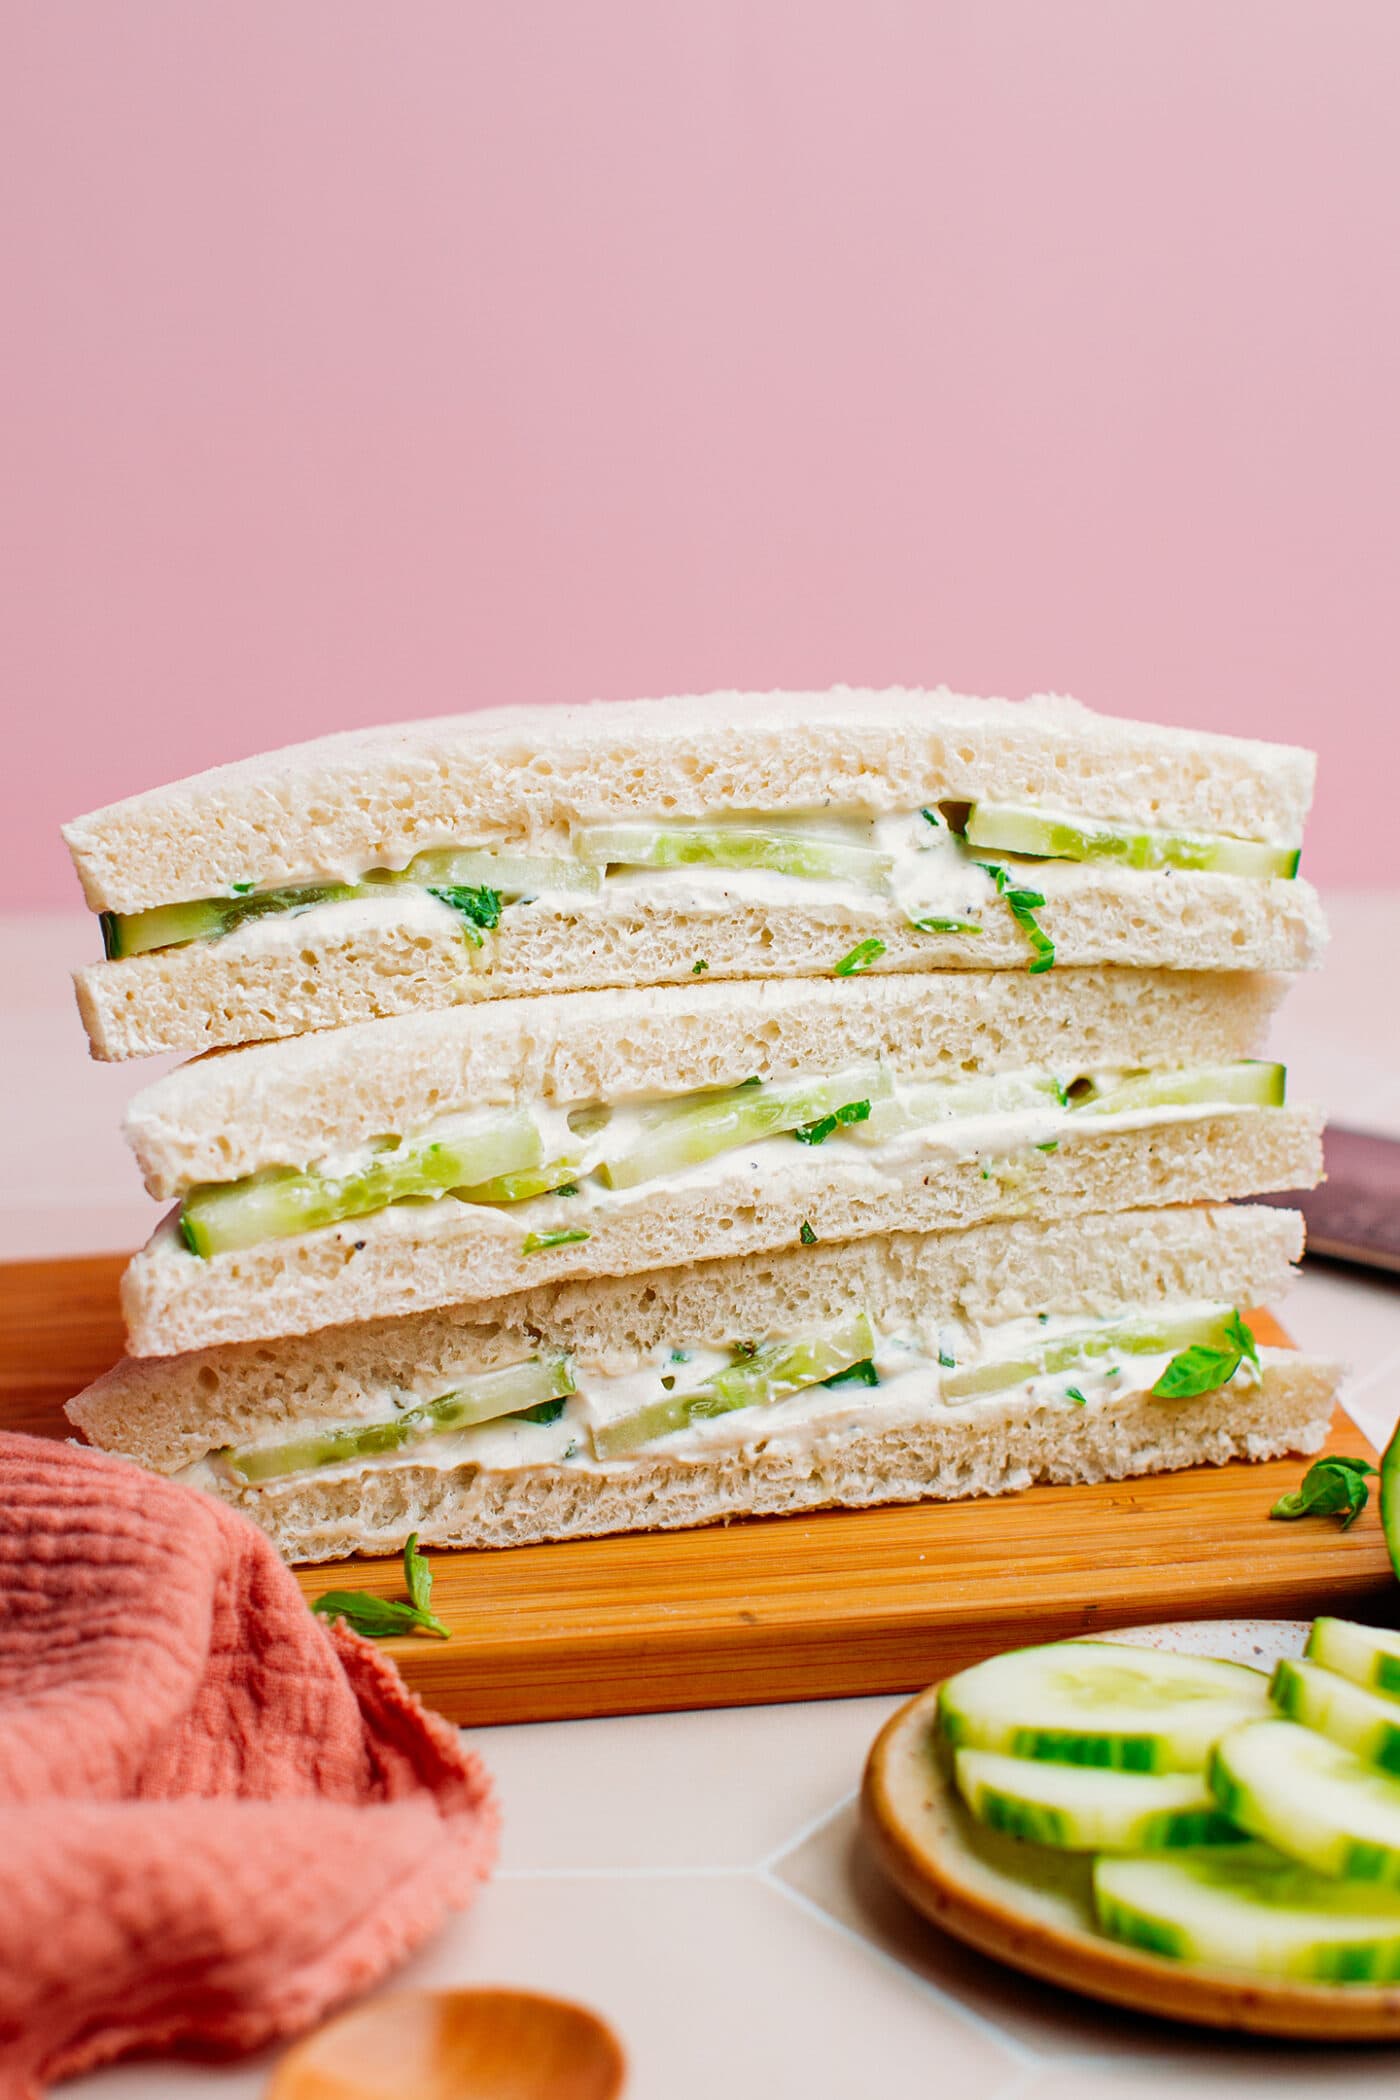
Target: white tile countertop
point(697, 1878)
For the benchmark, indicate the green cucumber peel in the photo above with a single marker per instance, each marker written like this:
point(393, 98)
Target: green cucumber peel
point(1039, 835)
point(860, 958)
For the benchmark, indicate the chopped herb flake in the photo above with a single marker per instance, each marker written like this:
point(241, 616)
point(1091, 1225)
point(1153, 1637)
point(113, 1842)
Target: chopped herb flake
point(949, 1363)
point(699, 966)
point(1073, 1393)
point(863, 1373)
point(860, 958)
point(1053, 1145)
point(817, 1133)
point(541, 1242)
point(543, 1410)
point(931, 817)
point(806, 1235)
point(945, 926)
point(1023, 906)
point(479, 907)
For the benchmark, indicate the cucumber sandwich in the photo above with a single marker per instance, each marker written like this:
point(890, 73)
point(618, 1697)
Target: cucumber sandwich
point(514, 852)
point(888, 1368)
point(454, 1157)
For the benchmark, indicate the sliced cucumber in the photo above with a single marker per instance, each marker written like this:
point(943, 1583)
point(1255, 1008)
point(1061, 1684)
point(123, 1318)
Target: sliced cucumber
point(1368, 1655)
point(1078, 1809)
point(813, 855)
point(205, 918)
point(517, 1188)
point(770, 1374)
point(1101, 1703)
point(512, 874)
point(1249, 1083)
point(514, 1389)
point(1043, 836)
point(687, 1132)
point(937, 1101)
point(221, 1216)
point(1310, 1799)
point(1251, 1909)
point(1363, 1721)
point(1068, 1352)
point(1390, 1498)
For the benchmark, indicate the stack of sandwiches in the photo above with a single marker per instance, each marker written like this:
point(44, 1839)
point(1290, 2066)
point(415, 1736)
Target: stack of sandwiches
point(641, 1115)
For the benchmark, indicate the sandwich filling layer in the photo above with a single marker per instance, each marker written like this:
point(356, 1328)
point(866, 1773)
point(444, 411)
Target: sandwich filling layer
point(850, 1377)
point(551, 1166)
point(939, 867)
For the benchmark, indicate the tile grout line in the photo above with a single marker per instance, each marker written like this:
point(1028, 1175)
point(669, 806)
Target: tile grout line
point(1025, 2058)
point(807, 1830)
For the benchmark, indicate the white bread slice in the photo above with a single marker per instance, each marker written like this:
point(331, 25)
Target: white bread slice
point(415, 1256)
point(288, 1104)
point(512, 775)
point(947, 1457)
point(401, 952)
point(167, 1413)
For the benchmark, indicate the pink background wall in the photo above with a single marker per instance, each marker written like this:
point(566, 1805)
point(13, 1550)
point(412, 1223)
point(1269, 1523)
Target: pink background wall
point(371, 357)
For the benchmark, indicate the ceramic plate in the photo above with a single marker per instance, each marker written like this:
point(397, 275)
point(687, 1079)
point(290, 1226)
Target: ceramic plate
point(968, 1880)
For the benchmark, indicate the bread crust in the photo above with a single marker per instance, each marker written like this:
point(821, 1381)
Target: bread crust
point(370, 798)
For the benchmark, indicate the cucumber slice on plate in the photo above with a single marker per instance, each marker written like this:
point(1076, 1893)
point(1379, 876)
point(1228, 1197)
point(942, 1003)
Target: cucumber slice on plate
point(515, 1389)
point(1248, 1083)
point(1101, 1703)
point(1310, 1799)
point(221, 1216)
point(1043, 836)
point(687, 1132)
point(1078, 1809)
point(1251, 1909)
point(1368, 1655)
point(770, 1374)
point(813, 855)
point(1363, 1721)
point(1071, 1351)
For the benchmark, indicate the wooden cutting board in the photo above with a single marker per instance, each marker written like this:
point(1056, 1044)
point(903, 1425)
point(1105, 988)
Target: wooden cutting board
point(813, 1607)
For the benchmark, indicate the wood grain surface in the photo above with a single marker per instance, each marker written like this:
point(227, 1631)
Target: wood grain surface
point(826, 1606)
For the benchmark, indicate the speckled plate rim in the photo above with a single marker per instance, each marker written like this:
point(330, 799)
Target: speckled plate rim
point(909, 1814)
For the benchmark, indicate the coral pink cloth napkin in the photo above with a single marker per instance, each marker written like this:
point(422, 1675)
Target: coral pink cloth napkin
point(217, 1816)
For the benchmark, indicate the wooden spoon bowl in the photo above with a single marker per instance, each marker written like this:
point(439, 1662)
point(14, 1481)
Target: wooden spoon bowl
point(456, 2045)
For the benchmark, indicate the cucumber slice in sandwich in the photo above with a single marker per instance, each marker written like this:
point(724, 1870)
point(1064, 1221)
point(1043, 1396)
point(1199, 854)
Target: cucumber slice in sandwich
point(205, 918)
point(939, 1101)
point(1251, 1909)
point(1363, 1721)
point(1040, 835)
point(513, 875)
point(1248, 1083)
point(1310, 1799)
point(1368, 1655)
point(770, 1374)
point(1068, 1352)
point(221, 1216)
point(1078, 1809)
point(689, 1131)
point(516, 1389)
point(812, 855)
point(1101, 1703)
